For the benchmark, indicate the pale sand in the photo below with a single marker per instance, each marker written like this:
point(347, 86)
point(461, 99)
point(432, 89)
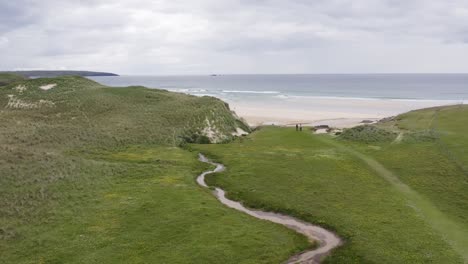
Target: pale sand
point(48, 86)
point(336, 112)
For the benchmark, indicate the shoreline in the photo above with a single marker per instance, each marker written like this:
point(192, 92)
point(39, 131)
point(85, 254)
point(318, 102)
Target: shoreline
point(313, 111)
point(312, 98)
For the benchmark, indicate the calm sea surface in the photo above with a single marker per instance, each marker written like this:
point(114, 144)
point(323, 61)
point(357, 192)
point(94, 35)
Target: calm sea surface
point(255, 87)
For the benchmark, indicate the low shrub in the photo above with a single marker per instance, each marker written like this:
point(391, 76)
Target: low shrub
point(367, 133)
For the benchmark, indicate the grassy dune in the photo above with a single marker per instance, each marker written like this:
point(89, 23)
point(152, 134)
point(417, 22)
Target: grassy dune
point(7, 78)
point(93, 174)
point(394, 201)
point(435, 168)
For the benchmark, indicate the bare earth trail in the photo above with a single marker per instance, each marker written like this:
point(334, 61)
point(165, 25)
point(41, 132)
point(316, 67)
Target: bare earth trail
point(327, 240)
point(454, 233)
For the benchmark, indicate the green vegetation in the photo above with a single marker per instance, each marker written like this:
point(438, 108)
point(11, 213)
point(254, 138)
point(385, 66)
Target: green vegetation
point(7, 78)
point(368, 134)
point(394, 201)
point(436, 169)
point(84, 111)
point(141, 205)
point(446, 124)
point(92, 174)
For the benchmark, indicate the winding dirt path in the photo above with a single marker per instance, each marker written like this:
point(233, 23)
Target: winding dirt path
point(327, 240)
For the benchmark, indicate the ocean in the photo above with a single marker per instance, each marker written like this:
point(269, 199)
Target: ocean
point(378, 86)
point(308, 97)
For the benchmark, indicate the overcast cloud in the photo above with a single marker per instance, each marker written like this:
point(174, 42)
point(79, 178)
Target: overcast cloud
point(235, 36)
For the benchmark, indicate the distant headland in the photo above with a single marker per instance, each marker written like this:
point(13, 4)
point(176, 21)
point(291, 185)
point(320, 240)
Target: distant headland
point(59, 73)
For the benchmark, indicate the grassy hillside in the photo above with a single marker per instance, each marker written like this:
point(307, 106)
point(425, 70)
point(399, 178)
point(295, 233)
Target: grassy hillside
point(446, 125)
point(436, 166)
point(88, 112)
point(397, 192)
point(7, 78)
point(93, 174)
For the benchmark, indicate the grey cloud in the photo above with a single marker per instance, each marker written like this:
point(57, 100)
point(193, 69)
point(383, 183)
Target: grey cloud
point(13, 15)
point(235, 35)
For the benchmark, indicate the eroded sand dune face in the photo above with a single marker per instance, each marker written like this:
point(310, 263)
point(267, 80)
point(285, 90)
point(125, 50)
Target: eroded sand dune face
point(20, 88)
point(16, 103)
point(47, 86)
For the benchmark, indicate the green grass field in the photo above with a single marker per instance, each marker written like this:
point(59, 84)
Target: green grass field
point(94, 174)
point(393, 202)
point(141, 205)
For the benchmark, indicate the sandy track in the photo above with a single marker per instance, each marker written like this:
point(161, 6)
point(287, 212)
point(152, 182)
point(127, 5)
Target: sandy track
point(327, 240)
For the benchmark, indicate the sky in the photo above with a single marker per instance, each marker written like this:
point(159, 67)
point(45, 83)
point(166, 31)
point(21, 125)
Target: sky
point(165, 37)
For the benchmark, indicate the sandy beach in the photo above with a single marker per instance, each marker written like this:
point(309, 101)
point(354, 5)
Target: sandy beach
point(336, 112)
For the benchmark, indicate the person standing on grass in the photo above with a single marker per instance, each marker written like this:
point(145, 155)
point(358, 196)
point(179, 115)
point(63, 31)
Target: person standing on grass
point(297, 127)
point(300, 127)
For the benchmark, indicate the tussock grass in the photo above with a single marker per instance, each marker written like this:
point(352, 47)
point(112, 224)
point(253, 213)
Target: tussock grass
point(98, 178)
point(8, 78)
point(368, 134)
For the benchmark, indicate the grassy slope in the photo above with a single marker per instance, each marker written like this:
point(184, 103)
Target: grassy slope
point(7, 78)
point(320, 180)
point(436, 169)
point(91, 175)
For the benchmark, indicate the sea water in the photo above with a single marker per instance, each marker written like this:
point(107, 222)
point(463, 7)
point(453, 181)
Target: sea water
point(309, 97)
point(379, 86)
